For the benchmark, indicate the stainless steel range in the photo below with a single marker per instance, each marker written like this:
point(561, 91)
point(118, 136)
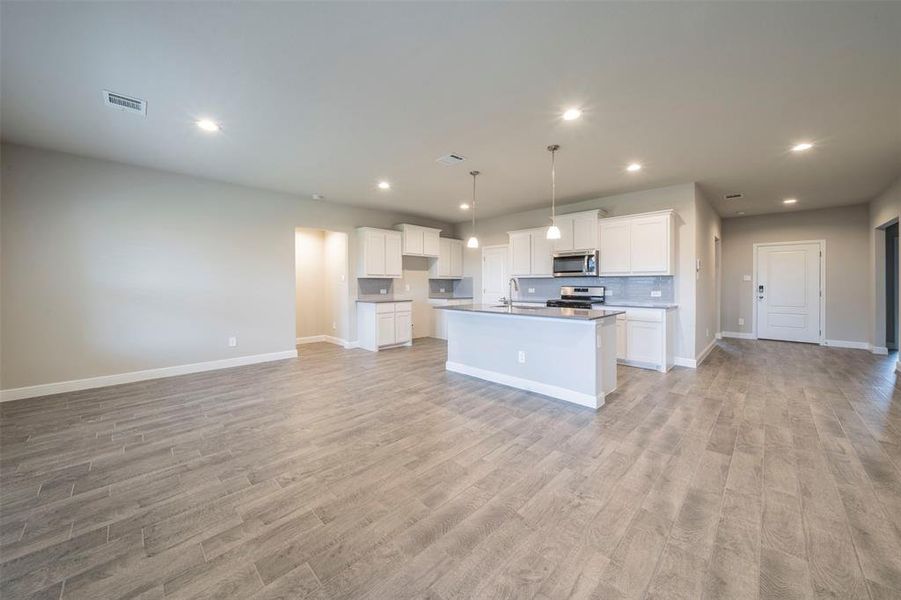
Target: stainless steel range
point(579, 297)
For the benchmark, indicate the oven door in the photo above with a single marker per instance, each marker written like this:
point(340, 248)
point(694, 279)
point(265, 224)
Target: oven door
point(576, 265)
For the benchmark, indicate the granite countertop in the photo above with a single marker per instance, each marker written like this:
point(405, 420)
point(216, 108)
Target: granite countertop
point(572, 314)
point(450, 297)
point(642, 304)
point(380, 299)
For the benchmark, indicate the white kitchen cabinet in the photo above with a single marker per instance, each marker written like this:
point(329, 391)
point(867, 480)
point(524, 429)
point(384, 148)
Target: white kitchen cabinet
point(614, 248)
point(450, 260)
point(649, 243)
point(439, 316)
point(578, 231)
point(637, 244)
point(531, 253)
point(379, 253)
point(384, 324)
point(419, 241)
point(644, 337)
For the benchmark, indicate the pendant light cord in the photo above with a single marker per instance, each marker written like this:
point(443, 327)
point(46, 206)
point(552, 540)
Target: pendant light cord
point(554, 186)
point(474, 174)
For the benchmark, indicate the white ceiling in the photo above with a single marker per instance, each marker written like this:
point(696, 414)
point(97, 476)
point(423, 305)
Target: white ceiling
point(331, 97)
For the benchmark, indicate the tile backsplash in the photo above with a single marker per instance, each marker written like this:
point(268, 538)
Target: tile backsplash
point(635, 289)
point(453, 288)
point(373, 287)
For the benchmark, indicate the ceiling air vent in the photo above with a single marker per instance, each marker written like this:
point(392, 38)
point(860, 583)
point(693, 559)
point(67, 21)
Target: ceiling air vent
point(125, 103)
point(733, 196)
point(450, 159)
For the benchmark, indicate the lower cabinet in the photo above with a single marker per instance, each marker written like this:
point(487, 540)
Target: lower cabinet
point(644, 337)
point(384, 324)
point(439, 316)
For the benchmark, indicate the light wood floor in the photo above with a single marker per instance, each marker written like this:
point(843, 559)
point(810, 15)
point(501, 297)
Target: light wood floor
point(773, 471)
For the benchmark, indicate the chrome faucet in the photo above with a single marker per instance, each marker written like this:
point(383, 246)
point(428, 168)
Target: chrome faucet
point(512, 286)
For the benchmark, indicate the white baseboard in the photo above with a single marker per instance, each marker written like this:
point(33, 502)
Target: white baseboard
point(132, 376)
point(719, 335)
point(705, 353)
point(691, 363)
point(848, 344)
point(527, 384)
point(738, 334)
point(879, 350)
point(312, 339)
point(898, 366)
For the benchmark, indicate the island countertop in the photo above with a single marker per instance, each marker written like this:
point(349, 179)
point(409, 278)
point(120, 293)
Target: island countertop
point(572, 314)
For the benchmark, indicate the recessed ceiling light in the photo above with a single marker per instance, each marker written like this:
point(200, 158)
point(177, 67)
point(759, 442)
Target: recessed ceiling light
point(634, 167)
point(318, 197)
point(384, 185)
point(464, 206)
point(740, 213)
point(208, 125)
point(790, 201)
point(802, 147)
point(572, 114)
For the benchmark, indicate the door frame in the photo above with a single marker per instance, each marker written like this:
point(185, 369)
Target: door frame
point(481, 289)
point(822, 243)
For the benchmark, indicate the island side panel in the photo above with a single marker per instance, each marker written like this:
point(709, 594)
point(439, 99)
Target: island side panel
point(606, 357)
point(561, 355)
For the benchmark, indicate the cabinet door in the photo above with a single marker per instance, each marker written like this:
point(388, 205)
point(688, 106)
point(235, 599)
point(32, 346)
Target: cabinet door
point(644, 342)
point(456, 259)
point(445, 249)
point(620, 338)
point(393, 254)
point(520, 253)
point(413, 240)
point(585, 233)
point(565, 243)
point(614, 247)
point(403, 327)
point(650, 244)
point(386, 329)
point(374, 253)
point(542, 254)
point(429, 242)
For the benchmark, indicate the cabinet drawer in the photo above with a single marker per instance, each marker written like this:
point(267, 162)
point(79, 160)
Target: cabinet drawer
point(649, 315)
point(384, 307)
point(403, 307)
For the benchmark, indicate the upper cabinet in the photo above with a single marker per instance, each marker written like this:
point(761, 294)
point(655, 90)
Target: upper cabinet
point(419, 241)
point(450, 260)
point(638, 244)
point(531, 253)
point(379, 253)
point(578, 231)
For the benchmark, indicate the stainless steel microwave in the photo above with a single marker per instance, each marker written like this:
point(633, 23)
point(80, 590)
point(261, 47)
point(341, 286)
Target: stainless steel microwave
point(581, 263)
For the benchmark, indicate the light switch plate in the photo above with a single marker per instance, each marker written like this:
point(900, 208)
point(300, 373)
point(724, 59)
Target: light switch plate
point(531, 290)
point(232, 342)
point(656, 293)
point(383, 291)
point(441, 289)
point(747, 278)
point(741, 321)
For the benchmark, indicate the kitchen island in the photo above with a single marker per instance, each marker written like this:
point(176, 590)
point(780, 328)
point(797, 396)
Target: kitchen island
point(565, 353)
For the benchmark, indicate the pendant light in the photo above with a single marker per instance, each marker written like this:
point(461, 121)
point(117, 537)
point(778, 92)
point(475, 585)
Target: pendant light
point(553, 232)
point(473, 240)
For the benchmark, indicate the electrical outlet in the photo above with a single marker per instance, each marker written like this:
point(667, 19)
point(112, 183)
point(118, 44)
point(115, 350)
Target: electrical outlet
point(406, 287)
point(521, 357)
point(708, 332)
point(383, 291)
point(334, 326)
point(531, 290)
point(746, 278)
point(656, 293)
point(441, 289)
point(232, 342)
point(741, 321)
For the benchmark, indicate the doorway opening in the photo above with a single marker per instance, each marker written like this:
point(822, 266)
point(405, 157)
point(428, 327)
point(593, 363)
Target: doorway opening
point(891, 286)
point(321, 293)
point(494, 274)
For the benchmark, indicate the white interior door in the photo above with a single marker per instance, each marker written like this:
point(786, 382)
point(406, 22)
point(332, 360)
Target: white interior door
point(494, 274)
point(788, 292)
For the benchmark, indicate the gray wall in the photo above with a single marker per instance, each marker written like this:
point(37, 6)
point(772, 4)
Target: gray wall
point(707, 231)
point(846, 232)
point(681, 198)
point(109, 268)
